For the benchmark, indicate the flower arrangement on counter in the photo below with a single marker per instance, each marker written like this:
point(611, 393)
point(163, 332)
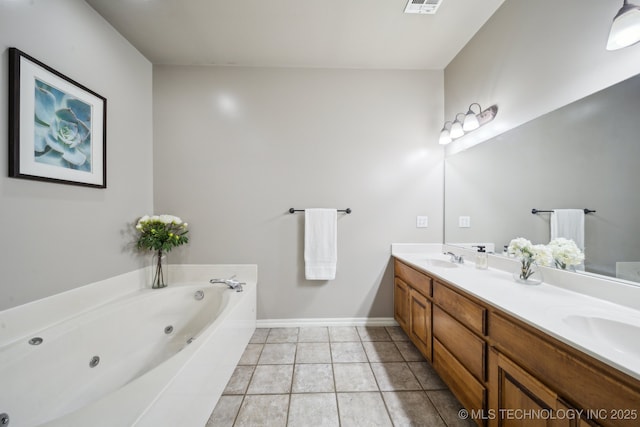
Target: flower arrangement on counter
point(565, 253)
point(160, 233)
point(529, 254)
point(561, 252)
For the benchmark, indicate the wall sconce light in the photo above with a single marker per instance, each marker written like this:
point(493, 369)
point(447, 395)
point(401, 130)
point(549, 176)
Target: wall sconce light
point(470, 122)
point(625, 29)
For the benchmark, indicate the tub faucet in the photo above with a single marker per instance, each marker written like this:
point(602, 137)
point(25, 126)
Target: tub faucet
point(230, 282)
point(455, 258)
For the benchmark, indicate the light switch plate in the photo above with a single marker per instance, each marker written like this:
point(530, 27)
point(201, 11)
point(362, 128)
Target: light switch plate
point(464, 222)
point(422, 221)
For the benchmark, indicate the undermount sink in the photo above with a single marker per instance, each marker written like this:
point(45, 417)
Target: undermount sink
point(434, 262)
point(621, 336)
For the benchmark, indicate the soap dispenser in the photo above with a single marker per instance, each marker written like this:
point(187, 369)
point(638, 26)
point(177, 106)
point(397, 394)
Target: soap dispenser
point(482, 261)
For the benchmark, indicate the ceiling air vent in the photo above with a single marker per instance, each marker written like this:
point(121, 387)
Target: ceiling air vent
point(422, 6)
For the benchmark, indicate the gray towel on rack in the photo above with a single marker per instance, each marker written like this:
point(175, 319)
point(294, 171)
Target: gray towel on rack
point(320, 243)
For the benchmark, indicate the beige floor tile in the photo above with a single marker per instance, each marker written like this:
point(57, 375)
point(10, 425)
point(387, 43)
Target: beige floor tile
point(239, 380)
point(395, 376)
point(259, 336)
point(448, 407)
point(362, 410)
point(373, 333)
point(313, 410)
point(313, 352)
point(313, 378)
point(280, 335)
point(427, 376)
point(348, 352)
point(343, 334)
point(396, 333)
point(313, 335)
point(271, 379)
point(225, 411)
point(251, 354)
point(268, 411)
point(278, 354)
point(410, 352)
point(412, 408)
point(354, 377)
point(378, 351)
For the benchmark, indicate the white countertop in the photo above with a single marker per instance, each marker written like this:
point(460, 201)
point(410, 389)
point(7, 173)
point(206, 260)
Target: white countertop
point(562, 313)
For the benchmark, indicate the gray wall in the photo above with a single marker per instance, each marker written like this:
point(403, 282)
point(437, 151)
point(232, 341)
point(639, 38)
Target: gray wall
point(583, 155)
point(56, 237)
point(236, 147)
point(533, 57)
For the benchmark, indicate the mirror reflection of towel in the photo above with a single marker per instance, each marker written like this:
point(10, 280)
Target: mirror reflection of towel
point(320, 243)
point(568, 223)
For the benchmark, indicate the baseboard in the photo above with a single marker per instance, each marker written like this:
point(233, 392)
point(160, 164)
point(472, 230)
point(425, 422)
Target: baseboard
point(340, 321)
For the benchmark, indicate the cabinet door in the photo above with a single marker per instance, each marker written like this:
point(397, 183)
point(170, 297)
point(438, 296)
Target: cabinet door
point(401, 304)
point(523, 401)
point(420, 322)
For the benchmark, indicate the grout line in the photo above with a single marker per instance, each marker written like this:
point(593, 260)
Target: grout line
point(235, 419)
point(436, 408)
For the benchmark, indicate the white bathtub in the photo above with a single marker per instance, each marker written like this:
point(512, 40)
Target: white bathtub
point(164, 356)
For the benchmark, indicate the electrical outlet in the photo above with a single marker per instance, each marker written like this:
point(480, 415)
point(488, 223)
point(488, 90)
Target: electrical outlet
point(422, 221)
point(464, 222)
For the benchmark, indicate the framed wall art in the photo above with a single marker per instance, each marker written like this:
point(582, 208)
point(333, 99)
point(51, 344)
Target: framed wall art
point(57, 127)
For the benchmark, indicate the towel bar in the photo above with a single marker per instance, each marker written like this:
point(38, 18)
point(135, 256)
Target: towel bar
point(535, 211)
point(292, 210)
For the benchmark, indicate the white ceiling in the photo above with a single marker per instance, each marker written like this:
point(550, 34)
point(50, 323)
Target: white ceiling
point(296, 33)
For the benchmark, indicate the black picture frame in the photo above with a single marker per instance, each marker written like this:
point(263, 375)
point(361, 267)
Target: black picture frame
point(57, 127)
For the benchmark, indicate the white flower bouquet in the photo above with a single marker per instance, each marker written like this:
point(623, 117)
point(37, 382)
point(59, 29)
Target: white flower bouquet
point(565, 253)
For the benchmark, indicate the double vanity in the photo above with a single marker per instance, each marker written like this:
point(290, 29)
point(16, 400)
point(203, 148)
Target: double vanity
point(555, 354)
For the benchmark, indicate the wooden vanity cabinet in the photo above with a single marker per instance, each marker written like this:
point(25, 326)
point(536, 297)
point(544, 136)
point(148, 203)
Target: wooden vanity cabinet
point(505, 372)
point(412, 306)
point(447, 328)
point(601, 394)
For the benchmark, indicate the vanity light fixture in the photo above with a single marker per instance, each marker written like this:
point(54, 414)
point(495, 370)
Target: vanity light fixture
point(625, 29)
point(470, 122)
point(429, 7)
point(445, 136)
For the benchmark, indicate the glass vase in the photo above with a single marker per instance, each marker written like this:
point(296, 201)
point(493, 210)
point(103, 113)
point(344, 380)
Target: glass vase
point(159, 267)
point(528, 274)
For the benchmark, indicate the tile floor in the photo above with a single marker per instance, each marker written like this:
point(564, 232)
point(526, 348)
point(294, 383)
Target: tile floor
point(336, 376)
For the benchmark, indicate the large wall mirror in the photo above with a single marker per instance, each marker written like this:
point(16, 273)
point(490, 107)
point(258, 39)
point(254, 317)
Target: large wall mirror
point(583, 155)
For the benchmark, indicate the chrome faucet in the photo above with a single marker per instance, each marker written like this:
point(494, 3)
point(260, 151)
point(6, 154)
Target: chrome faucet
point(230, 282)
point(456, 259)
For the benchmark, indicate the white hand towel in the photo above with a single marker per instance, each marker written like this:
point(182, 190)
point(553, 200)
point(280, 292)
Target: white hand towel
point(320, 243)
point(568, 223)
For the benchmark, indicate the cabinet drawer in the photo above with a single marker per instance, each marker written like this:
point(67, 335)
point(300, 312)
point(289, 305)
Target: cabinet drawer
point(467, 312)
point(464, 386)
point(419, 281)
point(468, 348)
